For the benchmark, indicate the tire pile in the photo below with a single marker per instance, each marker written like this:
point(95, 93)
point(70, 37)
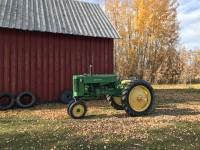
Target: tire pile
point(8, 100)
point(66, 96)
point(23, 100)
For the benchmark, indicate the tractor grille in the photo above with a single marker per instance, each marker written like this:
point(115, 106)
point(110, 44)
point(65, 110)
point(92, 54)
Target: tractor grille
point(76, 85)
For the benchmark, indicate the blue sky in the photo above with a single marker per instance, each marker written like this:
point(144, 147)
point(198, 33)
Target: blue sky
point(189, 18)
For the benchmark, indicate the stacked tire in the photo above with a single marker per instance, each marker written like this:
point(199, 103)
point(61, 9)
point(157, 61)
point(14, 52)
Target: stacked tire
point(7, 101)
point(23, 100)
point(66, 96)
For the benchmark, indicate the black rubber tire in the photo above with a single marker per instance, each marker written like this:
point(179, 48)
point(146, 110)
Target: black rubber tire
point(66, 96)
point(75, 104)
point(70, 105)
point(12, 103)
point(125, 98)
point(27, 93)
point(113, 104)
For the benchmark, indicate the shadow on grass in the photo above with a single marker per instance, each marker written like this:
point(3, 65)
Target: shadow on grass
point(186, 90)
point(41, 139)
point(154, 113)
point(50, 138)
point(177, 136)
point(11, 121)
point(46, 139)
point(58, 105)
point(105, 116)
point(175, 112)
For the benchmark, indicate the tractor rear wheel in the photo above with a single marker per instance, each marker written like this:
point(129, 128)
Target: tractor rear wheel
point(77, 110)
point(115, 102)
point(137, 98)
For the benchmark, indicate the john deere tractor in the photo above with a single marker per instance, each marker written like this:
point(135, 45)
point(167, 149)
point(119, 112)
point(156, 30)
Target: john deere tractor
point(136, 97)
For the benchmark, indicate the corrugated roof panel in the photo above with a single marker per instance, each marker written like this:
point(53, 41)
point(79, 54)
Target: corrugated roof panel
point(77, 28)
point(36, 15)
point(41, 16)
point(100, 26)
point(51, 17)
point(60, 16)
point(108, 27)
point(13, 14)
point(2, 11)
point(108, 23)
point(65, 21)
point(47, 22)
point(103, 24)
point(30, 15)
point(80, 18)
point(19, 18)
point(92, 20)
point(69, 17)
point(61, 20)
point(85, 19)
point(6, 18)
point(25, 15)
point(55, 14)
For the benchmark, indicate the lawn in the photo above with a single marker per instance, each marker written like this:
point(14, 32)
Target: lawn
point(174, 123)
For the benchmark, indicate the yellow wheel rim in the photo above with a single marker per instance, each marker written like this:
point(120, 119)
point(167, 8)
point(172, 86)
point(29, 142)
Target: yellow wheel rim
point(139, 98)
point(117, 100)
point(78, 110)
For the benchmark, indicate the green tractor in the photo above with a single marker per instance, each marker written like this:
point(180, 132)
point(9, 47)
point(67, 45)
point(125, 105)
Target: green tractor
point(136, 97)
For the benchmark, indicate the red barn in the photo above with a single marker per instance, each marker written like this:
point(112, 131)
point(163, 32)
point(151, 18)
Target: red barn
point(43, 43)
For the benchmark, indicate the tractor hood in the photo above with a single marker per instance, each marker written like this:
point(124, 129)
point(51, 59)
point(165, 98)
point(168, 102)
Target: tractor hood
point(95, 78)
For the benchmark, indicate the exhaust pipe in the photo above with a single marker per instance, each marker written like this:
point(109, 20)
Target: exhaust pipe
point(91, 70)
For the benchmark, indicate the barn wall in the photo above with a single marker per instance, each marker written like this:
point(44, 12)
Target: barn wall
point(44, 63)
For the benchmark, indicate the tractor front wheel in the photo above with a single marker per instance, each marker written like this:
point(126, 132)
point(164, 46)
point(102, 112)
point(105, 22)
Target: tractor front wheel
point(70, 105)
point(137, 98)
point(77, 110)
point(115, 102)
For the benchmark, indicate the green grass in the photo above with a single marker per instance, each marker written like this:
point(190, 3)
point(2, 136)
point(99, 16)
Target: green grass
point(177, 136)
point(33, 133)
point(30, 133)
point(24, 131)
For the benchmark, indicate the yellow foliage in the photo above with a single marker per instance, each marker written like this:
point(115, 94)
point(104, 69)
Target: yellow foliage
point(149, 31)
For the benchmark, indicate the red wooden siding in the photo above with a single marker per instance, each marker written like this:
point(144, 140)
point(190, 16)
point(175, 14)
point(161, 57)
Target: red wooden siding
point(44, 63)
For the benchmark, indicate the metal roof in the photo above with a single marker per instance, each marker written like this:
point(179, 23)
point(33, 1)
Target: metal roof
point(56, 16)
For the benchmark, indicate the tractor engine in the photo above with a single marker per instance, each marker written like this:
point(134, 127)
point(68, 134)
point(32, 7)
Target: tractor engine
point(90, 87)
